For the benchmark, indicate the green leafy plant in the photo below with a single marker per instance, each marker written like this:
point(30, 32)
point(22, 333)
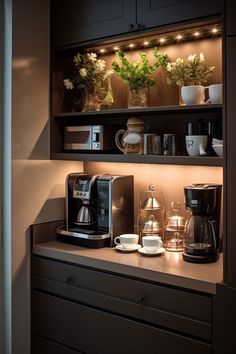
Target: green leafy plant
point(190, 71)
point(138, 74)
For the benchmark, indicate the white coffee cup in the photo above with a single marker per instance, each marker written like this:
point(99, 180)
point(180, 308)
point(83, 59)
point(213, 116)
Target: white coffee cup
point(196, 144)
point(152, 243)
point(215, 93)
point(127, 241)
point(194, 94)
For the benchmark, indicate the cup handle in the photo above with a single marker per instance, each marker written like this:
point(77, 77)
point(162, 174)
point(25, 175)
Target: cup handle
point(116, 240)
point(201, 150)
point(118, 138)
point(205, 88)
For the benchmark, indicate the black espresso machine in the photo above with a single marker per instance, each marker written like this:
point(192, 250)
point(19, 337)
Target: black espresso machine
point(97, 209)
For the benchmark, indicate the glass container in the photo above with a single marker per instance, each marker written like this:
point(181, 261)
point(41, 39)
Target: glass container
point(151, 213)
point(174, 227)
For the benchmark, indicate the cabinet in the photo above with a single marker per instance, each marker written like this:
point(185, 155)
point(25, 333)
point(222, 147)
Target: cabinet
point(71, 304)
point(76, 22)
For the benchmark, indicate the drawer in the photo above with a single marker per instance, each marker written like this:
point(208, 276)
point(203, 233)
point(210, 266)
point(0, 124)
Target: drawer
point(93, 331)
point(179, 310)
point(41, 345)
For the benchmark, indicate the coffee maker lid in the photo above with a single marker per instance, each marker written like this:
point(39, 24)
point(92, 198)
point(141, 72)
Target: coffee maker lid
point(202, 186)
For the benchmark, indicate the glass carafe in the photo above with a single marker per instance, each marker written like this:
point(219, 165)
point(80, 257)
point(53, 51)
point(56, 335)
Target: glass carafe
point(200, 235)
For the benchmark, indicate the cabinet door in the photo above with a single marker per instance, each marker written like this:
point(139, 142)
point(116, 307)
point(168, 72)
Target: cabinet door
point(230, 129)
point(77, 21)
point(98, 332)
point(40, 345)
point(230, 17)
point(151, 13)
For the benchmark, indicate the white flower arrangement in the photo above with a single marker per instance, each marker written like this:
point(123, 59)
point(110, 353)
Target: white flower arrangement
point(190, 71)
point(90, 74)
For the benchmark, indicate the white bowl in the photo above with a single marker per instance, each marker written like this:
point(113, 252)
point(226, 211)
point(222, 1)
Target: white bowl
point(218, 149)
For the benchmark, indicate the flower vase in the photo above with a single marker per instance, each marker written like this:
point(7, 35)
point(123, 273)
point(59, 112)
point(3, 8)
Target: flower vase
point(92, 102)
point(137, 98)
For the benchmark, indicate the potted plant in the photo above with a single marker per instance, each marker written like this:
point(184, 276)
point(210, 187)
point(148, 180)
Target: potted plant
point(138, 75)
point(91, 81)
point(190, 74)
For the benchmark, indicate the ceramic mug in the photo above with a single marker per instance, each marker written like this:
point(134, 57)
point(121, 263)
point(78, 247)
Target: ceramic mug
point(152, 243)
point(127, 241)
point(196, 144)
point(193, 94)
point(215, 93)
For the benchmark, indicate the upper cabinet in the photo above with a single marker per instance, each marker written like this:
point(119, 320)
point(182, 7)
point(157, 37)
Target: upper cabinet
point(79, 21)
point(152, 13)
point(230, 18)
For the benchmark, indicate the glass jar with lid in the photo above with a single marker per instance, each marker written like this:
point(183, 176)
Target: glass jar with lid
point(151, 213)
point(174, 227)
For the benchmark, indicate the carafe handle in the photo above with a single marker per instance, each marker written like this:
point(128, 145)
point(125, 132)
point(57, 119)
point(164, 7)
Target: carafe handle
point(118, 137)
point(213, 227)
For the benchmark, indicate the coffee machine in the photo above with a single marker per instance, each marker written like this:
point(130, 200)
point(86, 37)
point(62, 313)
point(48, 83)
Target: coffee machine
point(97, 209)
point(202, 229)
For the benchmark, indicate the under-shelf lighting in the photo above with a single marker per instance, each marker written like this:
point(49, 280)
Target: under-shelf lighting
point(200, 32)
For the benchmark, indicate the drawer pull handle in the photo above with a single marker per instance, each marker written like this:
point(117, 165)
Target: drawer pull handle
point(140, 299)
point(68, 280)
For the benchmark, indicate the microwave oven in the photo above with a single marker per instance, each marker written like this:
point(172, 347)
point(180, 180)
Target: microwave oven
point(89, 137)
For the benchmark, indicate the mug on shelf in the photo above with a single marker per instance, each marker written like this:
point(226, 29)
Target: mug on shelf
point(196, 145)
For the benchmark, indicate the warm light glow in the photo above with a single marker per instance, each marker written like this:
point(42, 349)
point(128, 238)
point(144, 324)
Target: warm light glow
point(162, 40)
point(146, 43)
point(131, 45)
point(102, 50)
point(116, 48)
point(214, 30)
point(196, 34)
point(179, 37)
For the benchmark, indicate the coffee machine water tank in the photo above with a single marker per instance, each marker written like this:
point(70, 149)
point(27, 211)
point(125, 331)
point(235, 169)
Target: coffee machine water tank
point(202, 229)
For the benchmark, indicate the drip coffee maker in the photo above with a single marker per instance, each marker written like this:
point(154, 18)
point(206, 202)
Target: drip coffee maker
point(151, 213)
point(174, 227)
point(201, 235)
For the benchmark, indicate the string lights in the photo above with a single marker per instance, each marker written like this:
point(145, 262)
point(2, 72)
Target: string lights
point(197, 33)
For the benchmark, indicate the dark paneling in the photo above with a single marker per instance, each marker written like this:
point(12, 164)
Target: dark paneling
point(77, 21)
point(40, 345)
point(230, 17)
point(171, 308)
point(96, 332)
point(224, 315)
point(162, 12)
point(230, 245)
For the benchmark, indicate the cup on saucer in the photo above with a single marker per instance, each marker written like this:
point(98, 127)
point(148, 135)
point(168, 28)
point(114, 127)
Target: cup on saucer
point(152, 244)
point(127, 241)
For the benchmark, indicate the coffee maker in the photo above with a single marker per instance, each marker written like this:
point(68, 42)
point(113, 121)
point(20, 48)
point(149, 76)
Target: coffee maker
point(97, 209)
point(202, 229)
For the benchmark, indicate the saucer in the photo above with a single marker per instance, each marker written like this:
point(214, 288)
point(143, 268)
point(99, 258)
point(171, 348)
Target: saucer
point(153, 253)
point(122, 249)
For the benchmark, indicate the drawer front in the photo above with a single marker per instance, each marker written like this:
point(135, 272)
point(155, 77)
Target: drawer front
point(40, 345)
point(95, 332)
point(172, 308)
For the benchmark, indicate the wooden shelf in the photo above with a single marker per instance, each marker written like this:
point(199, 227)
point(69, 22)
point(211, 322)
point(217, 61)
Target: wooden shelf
point(150, 159)
point(143, 111)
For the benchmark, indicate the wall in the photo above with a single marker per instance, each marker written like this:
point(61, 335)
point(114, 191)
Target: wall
point(37, 182)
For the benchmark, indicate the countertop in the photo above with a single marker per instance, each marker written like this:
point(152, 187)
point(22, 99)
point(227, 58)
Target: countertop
point(168, 268)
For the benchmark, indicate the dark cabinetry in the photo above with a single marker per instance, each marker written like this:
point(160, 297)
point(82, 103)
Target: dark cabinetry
point(75, 21)
point(71, 305)
point(78, 21)
point(230, 17)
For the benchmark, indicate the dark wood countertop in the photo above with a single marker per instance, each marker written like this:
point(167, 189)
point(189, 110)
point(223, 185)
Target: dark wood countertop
point(168, 268)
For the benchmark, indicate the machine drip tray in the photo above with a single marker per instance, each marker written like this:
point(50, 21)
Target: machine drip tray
point(91, 239)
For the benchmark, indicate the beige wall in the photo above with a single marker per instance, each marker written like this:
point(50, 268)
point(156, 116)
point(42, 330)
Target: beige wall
point(37, 182)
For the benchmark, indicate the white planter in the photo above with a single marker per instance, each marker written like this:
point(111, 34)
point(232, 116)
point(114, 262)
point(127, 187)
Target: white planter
point(193, 94)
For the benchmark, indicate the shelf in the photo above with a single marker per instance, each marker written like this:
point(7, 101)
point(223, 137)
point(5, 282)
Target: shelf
point(144, 111)
point(150, 159)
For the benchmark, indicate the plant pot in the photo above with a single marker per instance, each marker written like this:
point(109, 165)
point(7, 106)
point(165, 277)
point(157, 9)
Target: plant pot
point(193, 94)
point(137, 99)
